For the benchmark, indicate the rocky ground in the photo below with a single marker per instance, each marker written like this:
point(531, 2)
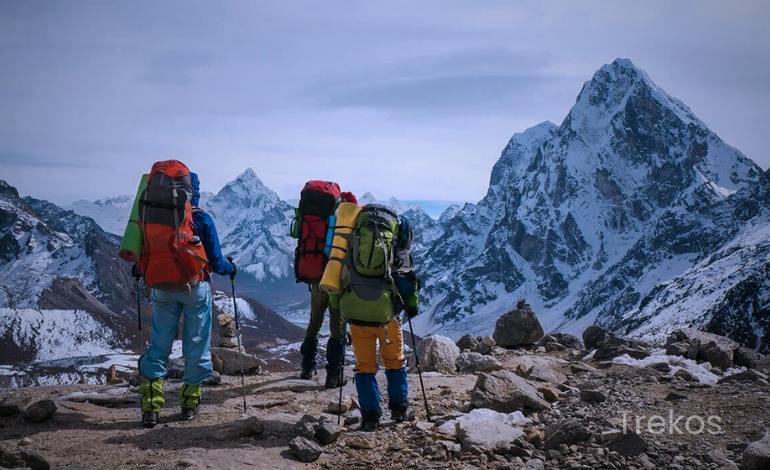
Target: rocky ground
point(548, 405)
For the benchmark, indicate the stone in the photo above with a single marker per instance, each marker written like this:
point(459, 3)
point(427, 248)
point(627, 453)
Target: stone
point(745, 357)
point(580, 368)
point(593, 396)
point(549, 393)
point(11, 406)
point(217, 363)
point(359, 443)
point(305, 427)
point(747, 376)
point(487, 435)
point(506, 392)
point(354, 417)
point(229, 342)
point(40, 411)
point(333, 406)
point(563, 339)
point(225, 318)
point(756, 456)
point(229, 331)
point(681, 349)
point(486, 345)
point(545, 374)
point(519, 327)
point(468, 343)
point(567, 431)
point(662, 367)
point(112, 376)
point(536, 437)
point(712, 348)
point(685, 375)
point(610, 351)
point(594, 336)
point(21, 458)
point(327, 432)
point(469, 362)
point(675, 396)
point(230, 361)
point(305, 450)
point(438, 354)
point(627, 444)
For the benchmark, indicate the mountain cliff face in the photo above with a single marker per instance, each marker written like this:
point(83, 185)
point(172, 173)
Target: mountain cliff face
point(585, 219)
point(59, 270)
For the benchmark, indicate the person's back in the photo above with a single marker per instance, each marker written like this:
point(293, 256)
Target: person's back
point(193, 302)
point(377, 283)
point(313, 227)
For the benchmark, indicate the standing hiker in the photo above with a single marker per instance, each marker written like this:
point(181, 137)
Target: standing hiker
point(180, 248)
point(313, 227)
point(378, 282)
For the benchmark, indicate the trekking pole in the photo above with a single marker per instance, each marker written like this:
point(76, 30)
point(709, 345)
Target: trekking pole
point(342, 367)
point(419, 370)
point(238, 332)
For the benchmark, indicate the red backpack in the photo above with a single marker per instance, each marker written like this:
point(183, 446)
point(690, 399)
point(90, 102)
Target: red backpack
point(172, 255)
point(317, 203)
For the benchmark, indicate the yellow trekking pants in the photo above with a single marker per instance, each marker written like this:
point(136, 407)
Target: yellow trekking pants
point(365, 339)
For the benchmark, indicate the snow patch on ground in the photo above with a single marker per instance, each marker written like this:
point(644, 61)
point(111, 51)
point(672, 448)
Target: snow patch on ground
point(700, 371)
point(225, 303)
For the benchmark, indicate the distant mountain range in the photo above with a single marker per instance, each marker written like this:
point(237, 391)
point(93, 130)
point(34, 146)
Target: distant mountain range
point(631, 214)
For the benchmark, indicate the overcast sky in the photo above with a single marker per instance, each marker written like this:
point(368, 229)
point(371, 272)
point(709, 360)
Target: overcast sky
point(404, 98)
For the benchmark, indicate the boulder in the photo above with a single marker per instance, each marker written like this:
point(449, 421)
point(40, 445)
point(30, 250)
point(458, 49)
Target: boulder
point(560, 342)
point(628, 444)
point(680, 348)
point(327, 432)
point(333, 406)
point(592, 396)
point(488, 435)
point(747, 376)
point(248, 427)
point(305, 427)
point(468, 343)
point(545, 374)
point(709, 347)
point(479, 344)
point(745, 357)
point(23, 459)
point(506, 392)
point(231, 364)
point(757, 454)
point(304, 449)
point(438, 353)
point(594, 336)
point(11, 406)
point(40, 411)
point(519, 327)
point(567, 431)
point(469, 362)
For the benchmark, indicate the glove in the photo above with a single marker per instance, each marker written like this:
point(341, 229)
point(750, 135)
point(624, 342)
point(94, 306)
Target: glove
point(235, 268)
point(135, 271)
point(411, 312)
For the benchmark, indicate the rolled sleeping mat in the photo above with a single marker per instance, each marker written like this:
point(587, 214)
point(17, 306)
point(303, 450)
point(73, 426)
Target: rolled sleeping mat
point(347, 213)
point(131, 245)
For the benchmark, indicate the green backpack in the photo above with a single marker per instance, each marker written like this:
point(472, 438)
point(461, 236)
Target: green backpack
point(368, 292)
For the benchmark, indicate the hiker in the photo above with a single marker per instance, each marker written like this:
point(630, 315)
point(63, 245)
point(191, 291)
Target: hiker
point(378, 282)
point(180, 282)
point(313, 227)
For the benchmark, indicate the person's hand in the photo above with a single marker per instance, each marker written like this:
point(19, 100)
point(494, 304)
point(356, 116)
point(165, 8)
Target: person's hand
point(411, 312)
point(235, 268)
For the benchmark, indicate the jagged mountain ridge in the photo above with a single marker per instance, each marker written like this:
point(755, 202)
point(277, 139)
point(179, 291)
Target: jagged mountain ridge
point(568, 204)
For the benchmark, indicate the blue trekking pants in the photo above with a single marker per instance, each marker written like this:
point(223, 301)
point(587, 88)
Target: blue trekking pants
point(167, 308)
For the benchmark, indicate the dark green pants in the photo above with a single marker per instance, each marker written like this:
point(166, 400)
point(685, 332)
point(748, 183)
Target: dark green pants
point(319, 303)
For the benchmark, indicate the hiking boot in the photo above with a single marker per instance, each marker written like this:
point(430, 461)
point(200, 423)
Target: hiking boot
point(189, 413)
point(403, 414)
point(307, 374)
point(150, 419)
point(369, 426)
point(334, 380)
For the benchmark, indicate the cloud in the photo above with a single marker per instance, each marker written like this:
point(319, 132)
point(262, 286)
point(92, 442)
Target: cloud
point(10, 159)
